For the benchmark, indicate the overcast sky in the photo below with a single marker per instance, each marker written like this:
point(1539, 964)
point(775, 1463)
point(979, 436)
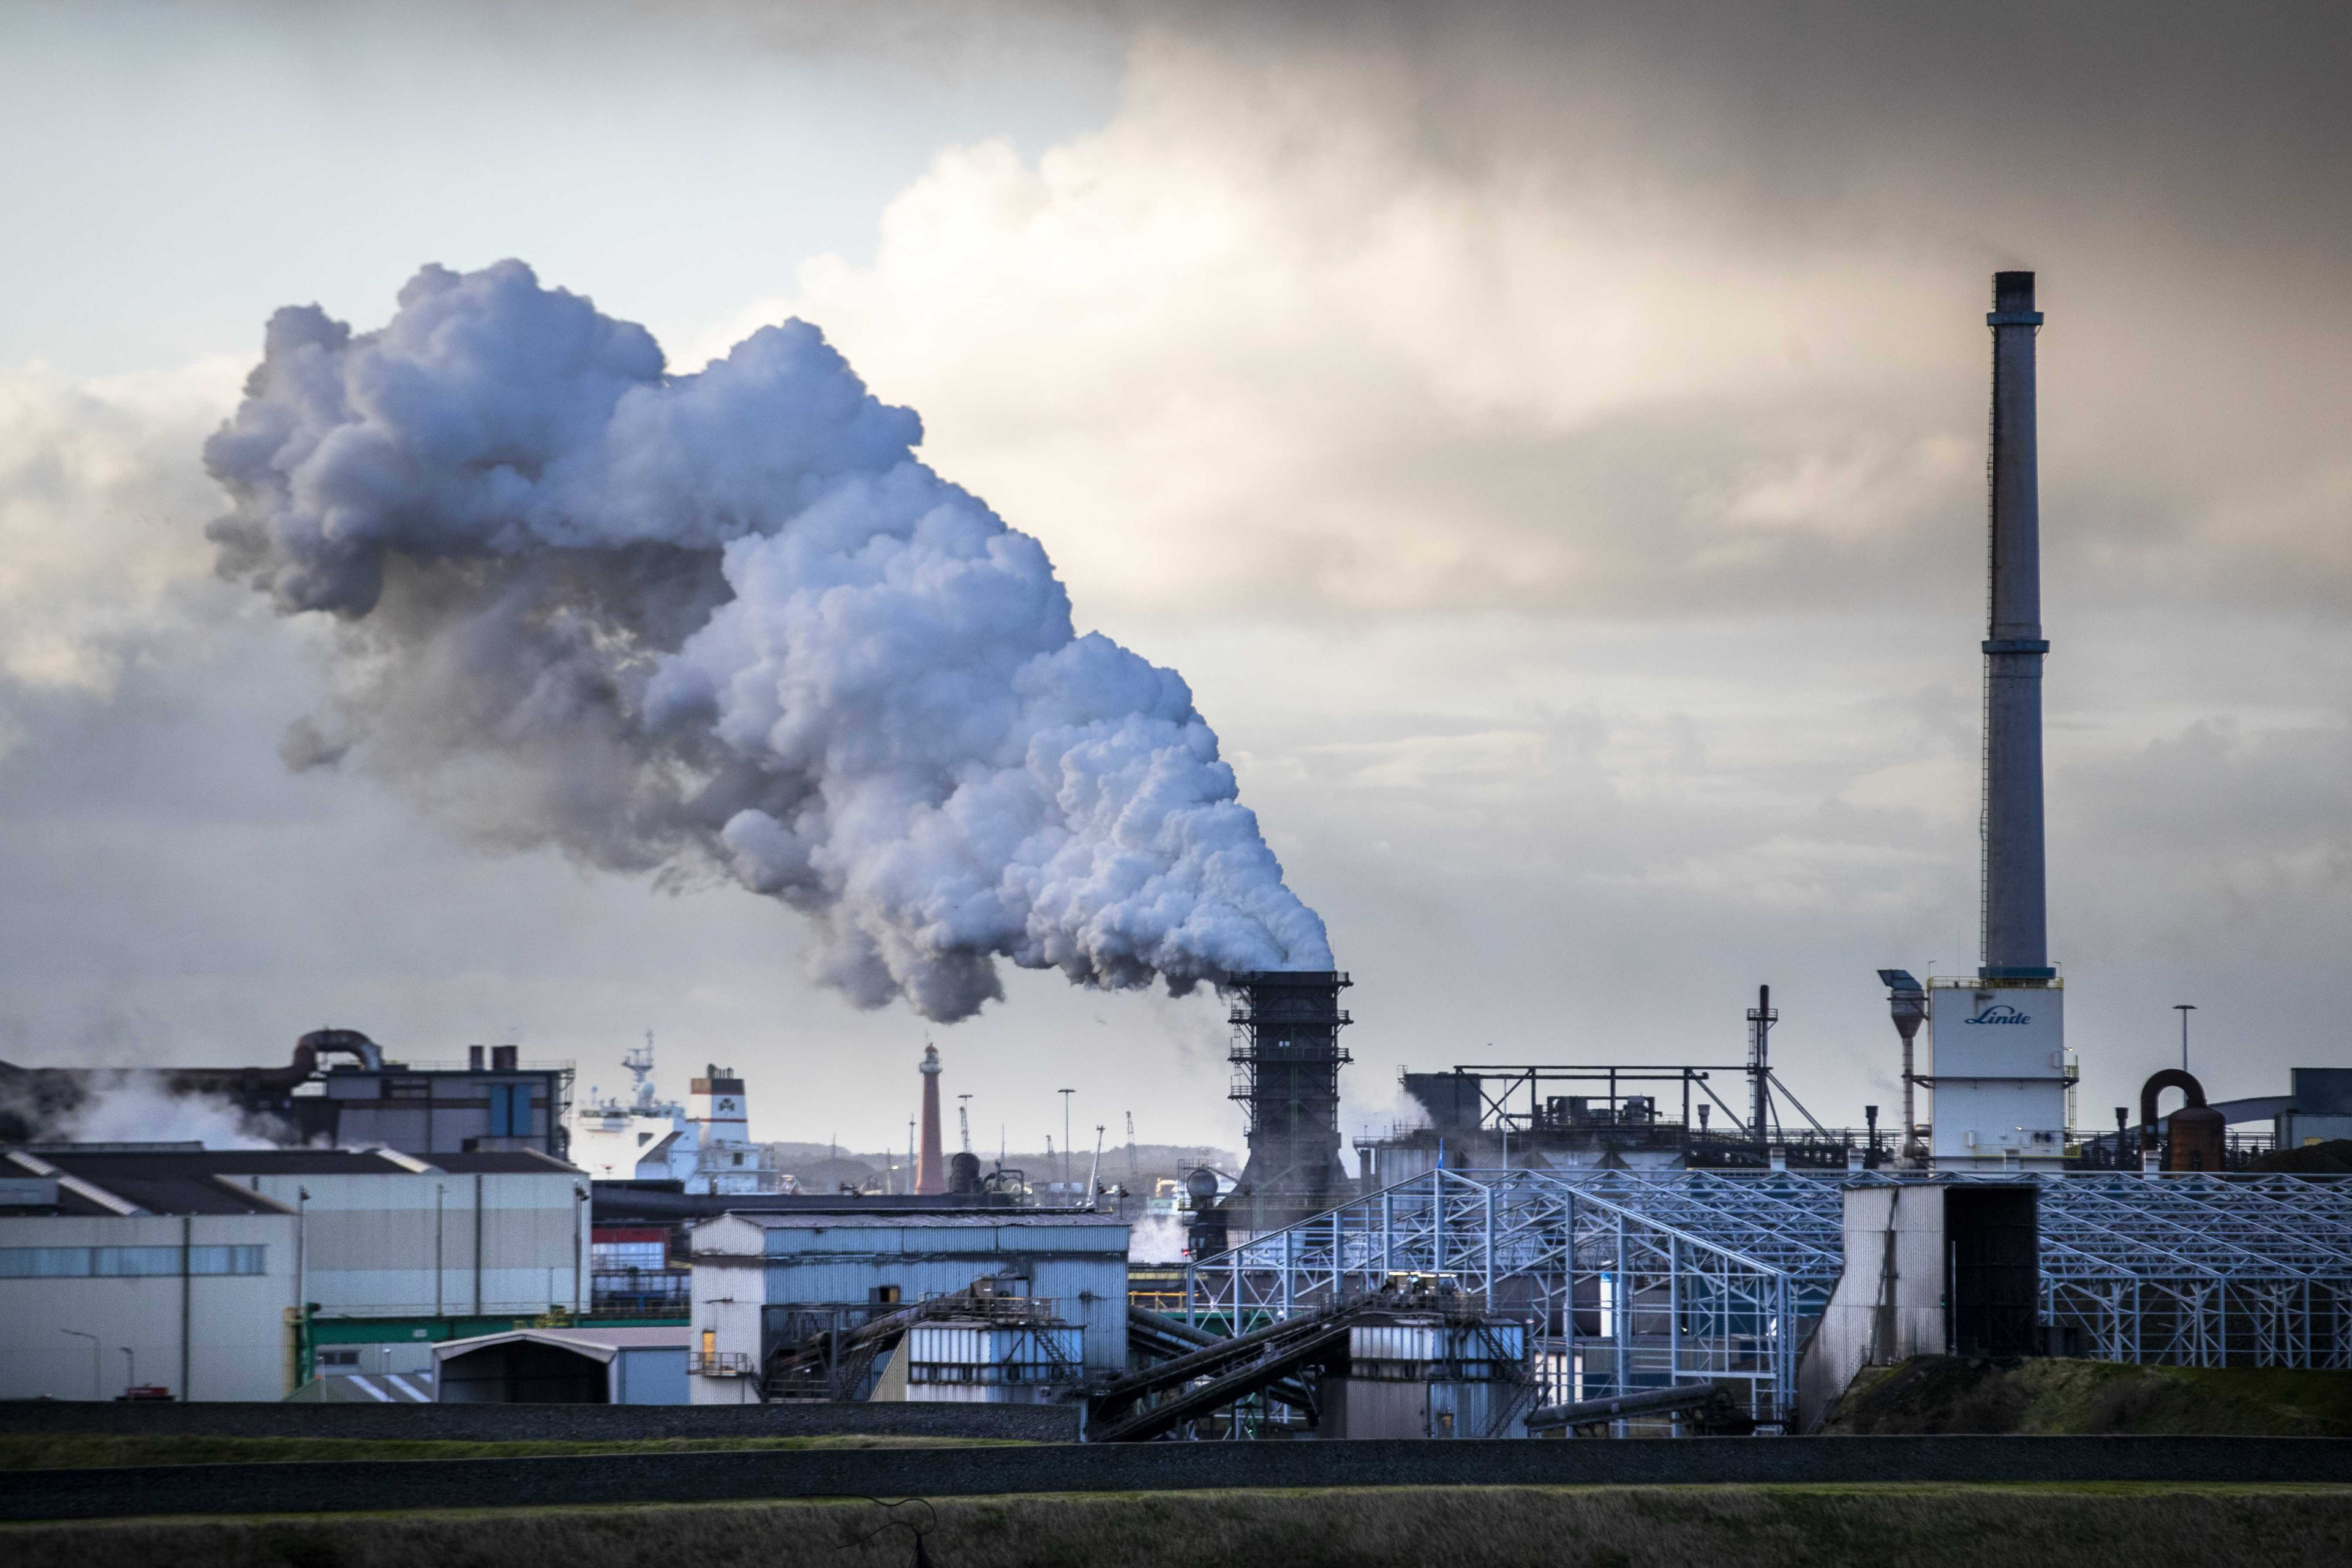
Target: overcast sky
point(1550, 439)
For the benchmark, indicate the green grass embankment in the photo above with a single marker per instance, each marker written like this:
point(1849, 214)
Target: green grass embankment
point(2111, 1526)
point(2090, 1398)
point(67, 1451)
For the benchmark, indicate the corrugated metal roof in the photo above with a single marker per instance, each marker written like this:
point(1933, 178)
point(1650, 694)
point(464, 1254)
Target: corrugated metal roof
point(202, 1181)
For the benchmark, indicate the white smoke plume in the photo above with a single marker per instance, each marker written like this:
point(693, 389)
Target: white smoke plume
point(726, 620)
point(1156, 1238)
point(138, 1106)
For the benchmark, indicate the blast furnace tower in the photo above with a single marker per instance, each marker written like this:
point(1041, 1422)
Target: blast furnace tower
point(1999, 1060)
point(1286, 1059)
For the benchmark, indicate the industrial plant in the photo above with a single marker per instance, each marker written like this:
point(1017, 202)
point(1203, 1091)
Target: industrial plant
point(1542, 1249)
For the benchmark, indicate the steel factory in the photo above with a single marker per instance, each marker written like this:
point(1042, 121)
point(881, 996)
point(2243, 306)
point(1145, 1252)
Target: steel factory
point(1540, 1250)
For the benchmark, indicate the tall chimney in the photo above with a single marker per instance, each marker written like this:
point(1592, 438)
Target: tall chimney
point(2016, 940)
point(929, 1176)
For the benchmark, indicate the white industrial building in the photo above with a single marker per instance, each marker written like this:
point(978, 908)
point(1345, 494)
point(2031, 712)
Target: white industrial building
point(2000, 1074)
point(762, 1279)
point(183, 1268)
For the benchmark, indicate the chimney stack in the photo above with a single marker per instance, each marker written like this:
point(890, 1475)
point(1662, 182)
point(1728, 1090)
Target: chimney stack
point(2016, 939)
point(930, 1177)
point(1999, 1072)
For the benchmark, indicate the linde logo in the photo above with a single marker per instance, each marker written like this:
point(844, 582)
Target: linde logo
point(2002, 1013)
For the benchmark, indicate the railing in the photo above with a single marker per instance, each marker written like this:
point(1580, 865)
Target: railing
point(718, 1364)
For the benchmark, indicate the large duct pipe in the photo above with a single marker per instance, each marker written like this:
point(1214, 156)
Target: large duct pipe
point(300, 1069)
point(2198, 1133)
point(2016, 937)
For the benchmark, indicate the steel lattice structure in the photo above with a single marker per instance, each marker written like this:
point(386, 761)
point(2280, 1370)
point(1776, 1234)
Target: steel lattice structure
point(1641, 1279)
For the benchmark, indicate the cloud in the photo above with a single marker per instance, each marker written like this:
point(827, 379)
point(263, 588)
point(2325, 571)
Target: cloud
point(1324, 325)
point(98, 489)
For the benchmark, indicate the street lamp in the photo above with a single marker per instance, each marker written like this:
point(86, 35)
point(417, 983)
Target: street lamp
point(1065, 1139)
point(93, 1357)
point(2184, 1009)
point(130, 1369)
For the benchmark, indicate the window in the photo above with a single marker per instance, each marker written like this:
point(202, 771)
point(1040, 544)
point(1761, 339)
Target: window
point(618, 1255)
point(115, 1261)
point(510, 1110)
point(44, 1262)
point(339, 1358)
point(226, 1260)
point(126, 1262)
point(408, 1089)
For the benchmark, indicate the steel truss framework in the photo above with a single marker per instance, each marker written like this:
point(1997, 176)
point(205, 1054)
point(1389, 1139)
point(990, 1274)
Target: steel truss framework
point(1635, 1279)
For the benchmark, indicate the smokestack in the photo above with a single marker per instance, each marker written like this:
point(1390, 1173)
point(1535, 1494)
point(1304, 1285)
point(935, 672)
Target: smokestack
point(928, 1175)
point(2016, 942)
point(1286, 1055)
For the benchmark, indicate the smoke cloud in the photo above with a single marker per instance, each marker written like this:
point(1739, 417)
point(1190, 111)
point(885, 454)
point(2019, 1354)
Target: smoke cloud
point(125, 1105)
point(727, 622)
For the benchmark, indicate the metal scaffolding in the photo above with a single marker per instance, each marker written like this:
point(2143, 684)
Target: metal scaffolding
point(1635, 1279)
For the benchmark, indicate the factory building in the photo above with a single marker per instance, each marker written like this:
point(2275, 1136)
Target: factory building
point(184, 1268)
point(769, 1283)
point(576, 1364)
point(491, 1102)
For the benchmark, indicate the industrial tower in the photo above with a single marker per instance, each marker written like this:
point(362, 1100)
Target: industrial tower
point(931, 1174)
point(1286, 1059)
point(2000, 1068)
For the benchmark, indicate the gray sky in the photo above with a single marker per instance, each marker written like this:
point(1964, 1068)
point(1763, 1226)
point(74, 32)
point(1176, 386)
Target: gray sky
point(1550, 439)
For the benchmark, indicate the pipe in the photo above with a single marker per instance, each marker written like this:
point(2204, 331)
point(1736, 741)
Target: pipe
point(300, 1069)
point(2170, 1077)
point(1652, 1400)
point(187, 1306)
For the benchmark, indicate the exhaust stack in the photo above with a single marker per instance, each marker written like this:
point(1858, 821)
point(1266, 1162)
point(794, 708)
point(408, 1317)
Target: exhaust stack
point(2000, 1071)
point(2015, 920)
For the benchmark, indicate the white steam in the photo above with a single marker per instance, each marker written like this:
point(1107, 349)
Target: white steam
point(728, 620)
point(1156, 1238)
point(137, 1106)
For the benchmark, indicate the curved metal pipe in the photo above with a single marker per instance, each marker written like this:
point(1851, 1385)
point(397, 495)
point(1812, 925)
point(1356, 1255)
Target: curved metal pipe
point(2170, 1077)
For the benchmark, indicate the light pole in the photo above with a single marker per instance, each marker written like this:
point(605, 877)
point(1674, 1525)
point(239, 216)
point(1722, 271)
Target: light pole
point(1065, 1138)
point(93, 1357)
point(2184, 1009)
point(130, 1369)
point(301, 1246)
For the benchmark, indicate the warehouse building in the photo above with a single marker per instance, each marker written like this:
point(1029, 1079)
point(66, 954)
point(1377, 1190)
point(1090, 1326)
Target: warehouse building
point(767, 1282)
point(182, 1269)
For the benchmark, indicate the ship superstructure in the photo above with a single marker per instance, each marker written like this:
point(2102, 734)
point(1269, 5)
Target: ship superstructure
point(644, 1139)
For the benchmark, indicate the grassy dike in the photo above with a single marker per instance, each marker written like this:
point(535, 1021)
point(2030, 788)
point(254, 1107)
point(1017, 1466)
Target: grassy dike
point(1455, 1527)
point(2093, 1398)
